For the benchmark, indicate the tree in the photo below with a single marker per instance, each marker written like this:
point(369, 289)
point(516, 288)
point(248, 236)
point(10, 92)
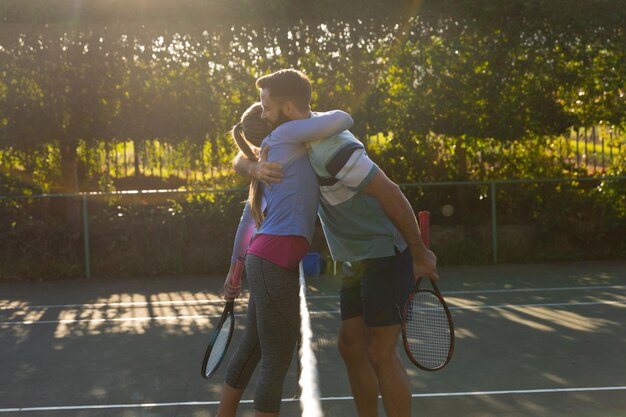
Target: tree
point(59, 92)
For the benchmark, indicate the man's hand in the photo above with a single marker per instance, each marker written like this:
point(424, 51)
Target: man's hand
point(267, 172)
point(425, 266)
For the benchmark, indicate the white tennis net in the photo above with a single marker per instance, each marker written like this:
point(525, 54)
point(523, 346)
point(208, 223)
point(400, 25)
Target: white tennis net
point(309, 385)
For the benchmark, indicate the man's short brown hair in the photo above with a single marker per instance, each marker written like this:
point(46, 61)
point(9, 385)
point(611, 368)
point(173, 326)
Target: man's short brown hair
point(288, 85)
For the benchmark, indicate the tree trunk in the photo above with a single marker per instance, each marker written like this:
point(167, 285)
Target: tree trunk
point(137, 152)
point(460, 154)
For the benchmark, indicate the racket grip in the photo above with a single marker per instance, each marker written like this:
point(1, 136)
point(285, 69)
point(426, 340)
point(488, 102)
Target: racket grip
point(424, 221)
point(235, 280)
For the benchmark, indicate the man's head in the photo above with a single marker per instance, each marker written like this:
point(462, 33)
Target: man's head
point(285, 95)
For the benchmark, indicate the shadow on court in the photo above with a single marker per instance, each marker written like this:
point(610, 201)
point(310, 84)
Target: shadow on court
point(532, 340)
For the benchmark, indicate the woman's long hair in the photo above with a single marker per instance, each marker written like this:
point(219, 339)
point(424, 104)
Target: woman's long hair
point(248, 135)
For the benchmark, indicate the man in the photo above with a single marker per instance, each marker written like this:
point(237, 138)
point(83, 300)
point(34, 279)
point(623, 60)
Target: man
point(369, 222)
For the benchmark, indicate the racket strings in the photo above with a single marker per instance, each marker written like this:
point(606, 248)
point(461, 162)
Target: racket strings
point(428, 330)
point(219, 346)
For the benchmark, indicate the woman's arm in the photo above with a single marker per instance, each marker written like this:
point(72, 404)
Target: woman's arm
point(318, 126)
point(245, 231)
point(243, 236)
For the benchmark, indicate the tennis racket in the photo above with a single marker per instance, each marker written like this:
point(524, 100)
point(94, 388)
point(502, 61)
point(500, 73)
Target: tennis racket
point(222, 333)
point(427, 327)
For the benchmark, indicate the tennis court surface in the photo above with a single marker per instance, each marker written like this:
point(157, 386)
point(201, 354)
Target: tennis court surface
point(531, 340)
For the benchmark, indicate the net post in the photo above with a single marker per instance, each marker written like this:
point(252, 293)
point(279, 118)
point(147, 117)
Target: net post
point(494, 231)
point(86, 236)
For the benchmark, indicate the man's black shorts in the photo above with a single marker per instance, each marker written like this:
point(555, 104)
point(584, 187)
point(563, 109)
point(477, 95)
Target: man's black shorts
point(377, 289)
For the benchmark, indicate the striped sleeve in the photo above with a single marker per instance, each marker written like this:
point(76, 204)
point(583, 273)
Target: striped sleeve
point(352, 167)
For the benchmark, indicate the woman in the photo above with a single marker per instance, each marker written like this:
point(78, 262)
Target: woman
point(285, 229)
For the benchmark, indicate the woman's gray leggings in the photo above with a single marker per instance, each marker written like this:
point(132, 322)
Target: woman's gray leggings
point(272, 331)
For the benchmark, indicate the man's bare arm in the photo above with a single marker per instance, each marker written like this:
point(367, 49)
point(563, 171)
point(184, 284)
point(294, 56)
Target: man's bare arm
point(399, 211)
point(264, 171)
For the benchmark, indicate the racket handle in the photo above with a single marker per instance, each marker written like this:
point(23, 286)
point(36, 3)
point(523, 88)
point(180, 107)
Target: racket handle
point(235, 280)
point(424, 221)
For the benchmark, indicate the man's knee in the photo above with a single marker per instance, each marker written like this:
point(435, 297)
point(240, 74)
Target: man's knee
point(351, 340)
point(381, 345)
point(349, 348)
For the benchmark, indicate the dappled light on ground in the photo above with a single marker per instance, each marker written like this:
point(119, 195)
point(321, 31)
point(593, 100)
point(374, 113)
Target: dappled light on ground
point(564, 318)
point(517, 318)
point(180, 312)
point(526, 345)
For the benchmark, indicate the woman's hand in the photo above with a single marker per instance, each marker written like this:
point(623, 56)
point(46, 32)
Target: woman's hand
point(232, 291)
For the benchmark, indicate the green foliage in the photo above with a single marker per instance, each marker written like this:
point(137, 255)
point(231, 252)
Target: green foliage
point(583, 220)
point(165, 237)
point(192, 233)
point(139, 235)
point(439, 90)
point(453, 75)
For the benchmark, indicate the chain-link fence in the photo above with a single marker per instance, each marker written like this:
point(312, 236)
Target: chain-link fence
point(176, 232)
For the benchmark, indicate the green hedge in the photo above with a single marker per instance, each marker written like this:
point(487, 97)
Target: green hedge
point(144, 235)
